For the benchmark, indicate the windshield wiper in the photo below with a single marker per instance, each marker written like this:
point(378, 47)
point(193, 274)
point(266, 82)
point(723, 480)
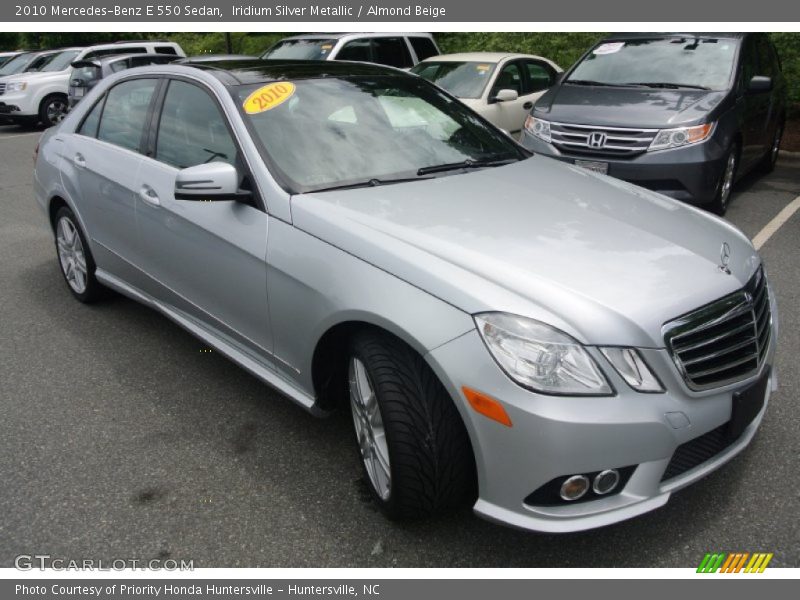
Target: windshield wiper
point(598, 83)
point(466, 164)
point(374, 182)
point(671, 86)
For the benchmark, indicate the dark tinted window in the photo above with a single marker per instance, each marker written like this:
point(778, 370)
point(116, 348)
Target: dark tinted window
point(125, 113)
point(767, 59)
point(392, 52)
point(750, 65)
point(92, 120)
point(192, 130)
point(166, 50)
point(510, 78)
point(357, 50)
point(423, 47)
point(110, 51)
point(540, 76)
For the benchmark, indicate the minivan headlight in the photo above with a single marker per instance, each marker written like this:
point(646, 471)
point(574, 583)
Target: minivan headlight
point(540, 357)
point(16, 86)
point(682, 136)
point(538, 128)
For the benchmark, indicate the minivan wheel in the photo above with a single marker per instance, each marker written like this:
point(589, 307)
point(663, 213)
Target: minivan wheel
point(771, 158)
point(53, 110)
point(415, 451)
point(726, 181)
point(75, 258)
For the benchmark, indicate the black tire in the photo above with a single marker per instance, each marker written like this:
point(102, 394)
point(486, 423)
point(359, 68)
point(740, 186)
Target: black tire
point(767, 164)
point(94, 290)
point(431, 461)
point(53, 109)
point(722, 196)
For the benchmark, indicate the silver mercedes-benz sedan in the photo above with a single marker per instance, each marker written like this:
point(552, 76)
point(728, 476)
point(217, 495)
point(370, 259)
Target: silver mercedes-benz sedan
point(562, 349)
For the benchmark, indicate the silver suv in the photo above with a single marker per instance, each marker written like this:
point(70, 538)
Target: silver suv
point(559, 348)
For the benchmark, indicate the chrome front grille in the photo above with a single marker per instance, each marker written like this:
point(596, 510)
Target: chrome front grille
point(725, 341)
point(591, 140)
point(2, 88)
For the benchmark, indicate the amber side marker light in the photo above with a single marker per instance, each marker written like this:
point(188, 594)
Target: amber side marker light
point(487, 406)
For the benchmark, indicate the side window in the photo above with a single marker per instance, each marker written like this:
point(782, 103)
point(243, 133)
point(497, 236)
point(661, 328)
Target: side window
point(92, 120)
point(510, 78)
point(540, 76)
point(768, 64)
point(192, 130)
point(423, 47)
point(392, 51)
point(125, 113)
point(166, 50)
point(110, 51)
point(749, 63)
point(357, 50)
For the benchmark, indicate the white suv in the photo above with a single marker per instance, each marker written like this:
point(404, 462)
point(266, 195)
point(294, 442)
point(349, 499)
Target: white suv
point(401, 50)
point(42, 95)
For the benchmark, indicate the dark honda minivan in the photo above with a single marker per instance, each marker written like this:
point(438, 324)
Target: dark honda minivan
point(684, 114)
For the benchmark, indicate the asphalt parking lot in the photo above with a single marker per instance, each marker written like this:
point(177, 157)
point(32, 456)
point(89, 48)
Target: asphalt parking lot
point(121, 438)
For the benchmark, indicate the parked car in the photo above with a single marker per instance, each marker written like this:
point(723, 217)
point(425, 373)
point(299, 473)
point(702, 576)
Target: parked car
point(26, 62)
point(501, 87)
point(401, 50)
point(7, 56)
point(87, 73)
point(210, 58)
point(683, 114)
point(569, 347)
point(43, 96)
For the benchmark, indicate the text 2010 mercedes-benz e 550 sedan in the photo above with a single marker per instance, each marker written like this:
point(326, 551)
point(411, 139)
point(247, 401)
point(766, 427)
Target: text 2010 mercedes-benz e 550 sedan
point(561, 348)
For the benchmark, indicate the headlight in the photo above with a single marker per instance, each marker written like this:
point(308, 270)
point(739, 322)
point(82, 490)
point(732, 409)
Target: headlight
point(632, 368)
point(541, 357)
point(16, 86)
point(538, 128)
point(682, 136)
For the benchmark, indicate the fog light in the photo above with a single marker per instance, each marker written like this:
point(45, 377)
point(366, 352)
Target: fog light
point(574, 487)
point(605, 481)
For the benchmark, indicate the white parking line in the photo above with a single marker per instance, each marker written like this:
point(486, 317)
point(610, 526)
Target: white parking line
point(19, 135)
point(776, 223)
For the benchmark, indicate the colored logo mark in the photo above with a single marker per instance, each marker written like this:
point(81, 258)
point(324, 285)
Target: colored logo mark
point(736, 562)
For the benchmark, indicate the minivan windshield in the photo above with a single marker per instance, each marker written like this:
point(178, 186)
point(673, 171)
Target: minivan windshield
point(302, 49)
point(356, 131)
point(462, 79)
point(60, 61)
point(672, 62)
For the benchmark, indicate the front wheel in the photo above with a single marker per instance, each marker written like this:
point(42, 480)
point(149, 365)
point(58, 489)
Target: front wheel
point(53, 110)
point(415, 451)
point(725, 186)
point(771, 158)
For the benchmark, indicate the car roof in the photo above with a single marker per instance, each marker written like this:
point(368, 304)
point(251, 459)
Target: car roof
point(238, 72)
point(488, 57)
point(639, 36)
point(340, 35)
point(102, 60)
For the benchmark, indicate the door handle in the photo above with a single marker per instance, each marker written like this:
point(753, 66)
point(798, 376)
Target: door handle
point(148, 195)
point(528, 105)
point(79, 160)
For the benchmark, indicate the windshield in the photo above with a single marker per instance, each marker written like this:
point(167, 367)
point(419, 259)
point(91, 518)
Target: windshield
point(322, 133)
point(300, 50)
point(693, 62)
point(462, 79)
point(60, 61)
point(16, 64)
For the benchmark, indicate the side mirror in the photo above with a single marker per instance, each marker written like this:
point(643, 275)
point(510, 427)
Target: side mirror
point(209, 182)
point(506, 95)
point(559, 77)
point(760, 83)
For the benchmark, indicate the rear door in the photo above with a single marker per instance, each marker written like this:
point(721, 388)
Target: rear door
point(205, 259)
point(102, 161)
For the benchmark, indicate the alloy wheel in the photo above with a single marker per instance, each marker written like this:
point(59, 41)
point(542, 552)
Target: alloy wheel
point(727, 179)
point(71, 255)
point(369, 428)
point(56, 111)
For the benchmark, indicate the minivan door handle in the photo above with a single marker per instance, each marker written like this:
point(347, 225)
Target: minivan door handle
point(148, 195)
point(79, 160)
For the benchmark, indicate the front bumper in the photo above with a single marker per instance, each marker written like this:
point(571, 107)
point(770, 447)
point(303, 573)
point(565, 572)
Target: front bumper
point(17, 104)
point(691, 173)
point(556, 436)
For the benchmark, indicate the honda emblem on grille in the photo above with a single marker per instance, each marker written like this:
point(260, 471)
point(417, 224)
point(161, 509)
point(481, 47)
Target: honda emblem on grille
point(724, 258)
point(597, 139)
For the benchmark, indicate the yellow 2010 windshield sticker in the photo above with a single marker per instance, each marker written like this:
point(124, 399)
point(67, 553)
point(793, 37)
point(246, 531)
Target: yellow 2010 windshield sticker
point(268, 97)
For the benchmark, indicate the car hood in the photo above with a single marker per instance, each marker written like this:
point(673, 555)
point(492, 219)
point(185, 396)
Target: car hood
point(605, 261)
point(626, 107)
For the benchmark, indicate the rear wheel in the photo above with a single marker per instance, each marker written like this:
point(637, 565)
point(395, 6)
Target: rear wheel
point(75, 258)
point(414, 448)
point(53, 109)
point(725, 185)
